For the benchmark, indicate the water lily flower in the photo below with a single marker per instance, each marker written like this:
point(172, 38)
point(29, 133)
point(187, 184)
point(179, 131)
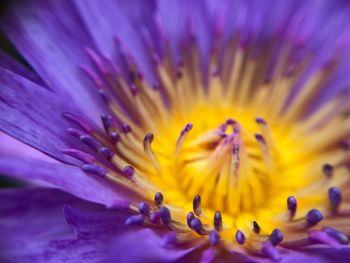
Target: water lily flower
point(175, 131)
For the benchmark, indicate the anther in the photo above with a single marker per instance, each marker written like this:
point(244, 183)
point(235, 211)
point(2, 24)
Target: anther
point(126, 128)
point(134, 220)
point(256, 227)
point(154, 217)
point(158, 199)
point(107, 153)
point(129, 171)
point(80, 155)
point(144, 208)
point(214, 237)
point(86, 127)
point(182, 136)
point(196, 225)
point(103, 95)
point(90, 141)
point(313, 217)
point(165, 216)
point(75, 133)
point(240, 238)
point(107, 122)
point(115, 137)
point(148, 151)
point(197, 205)
point(342, 238)
point(334, 197)
point(327, 170)
point(260, 138)
point(190, 216)
point(94, 169)
point(292, 206)
point(276, 237)
point(217, 221)
point(260, 121)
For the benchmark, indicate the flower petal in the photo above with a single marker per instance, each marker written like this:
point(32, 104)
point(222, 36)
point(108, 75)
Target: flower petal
point(32, 114)
point(54, 47)
point(68, 178)
point(33, 228)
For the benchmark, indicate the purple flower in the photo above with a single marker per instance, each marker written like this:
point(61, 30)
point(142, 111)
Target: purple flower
point(176, 131)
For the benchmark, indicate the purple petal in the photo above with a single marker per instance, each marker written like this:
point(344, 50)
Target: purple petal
point(144, 245)
point(54, 47)
point(130, 19)
point(68, 178)
point(33, 227)
point(32, 114)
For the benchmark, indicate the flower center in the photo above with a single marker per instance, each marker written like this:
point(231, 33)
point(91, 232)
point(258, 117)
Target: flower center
point(233, 158)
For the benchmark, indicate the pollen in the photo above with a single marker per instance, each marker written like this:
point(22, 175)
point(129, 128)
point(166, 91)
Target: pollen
point(235, 157)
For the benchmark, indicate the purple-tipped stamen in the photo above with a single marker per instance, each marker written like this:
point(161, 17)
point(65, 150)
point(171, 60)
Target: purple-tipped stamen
point(134, 220)
point(342, 238)
point(190, 216)
point(328, 170)
point(126, 128)
point(107, 122)
point(217, 221)
point(158, 199)
point(256, 227)
point(144, 208)
point(115, 137)
point(107, 153)
point(129, 171)
point(276, 236)
point(313, 217)
point(80, 155)
point(75, 133)
point(154, 217)
point(240, 238)
point(260, 121)
point(165, 216)
point(292, 206)
point(94, 169)
point(196, 225)
point(197, 205)
point(214, 237)
point(334, 197)
point(90, 141)
point(260, 138)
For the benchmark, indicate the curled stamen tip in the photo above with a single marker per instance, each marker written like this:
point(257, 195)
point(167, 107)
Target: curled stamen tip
point(292, 205)
point(126, 128)
point(214, 237)
point(218, 221)
point(129, 171)
point(158, 199)
point(144, 208)
point(148, 137)
point(240, 238)
point(230, 121)
point(313, 217)
point(134, 220)
point(328, 170)
point(94, 169)
point(276, 236)
point(165, 216)
point(260, 120)
point(334, 196)
point(107, 121)
point(75, 133)
point(256, 227)
point(197, 205)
